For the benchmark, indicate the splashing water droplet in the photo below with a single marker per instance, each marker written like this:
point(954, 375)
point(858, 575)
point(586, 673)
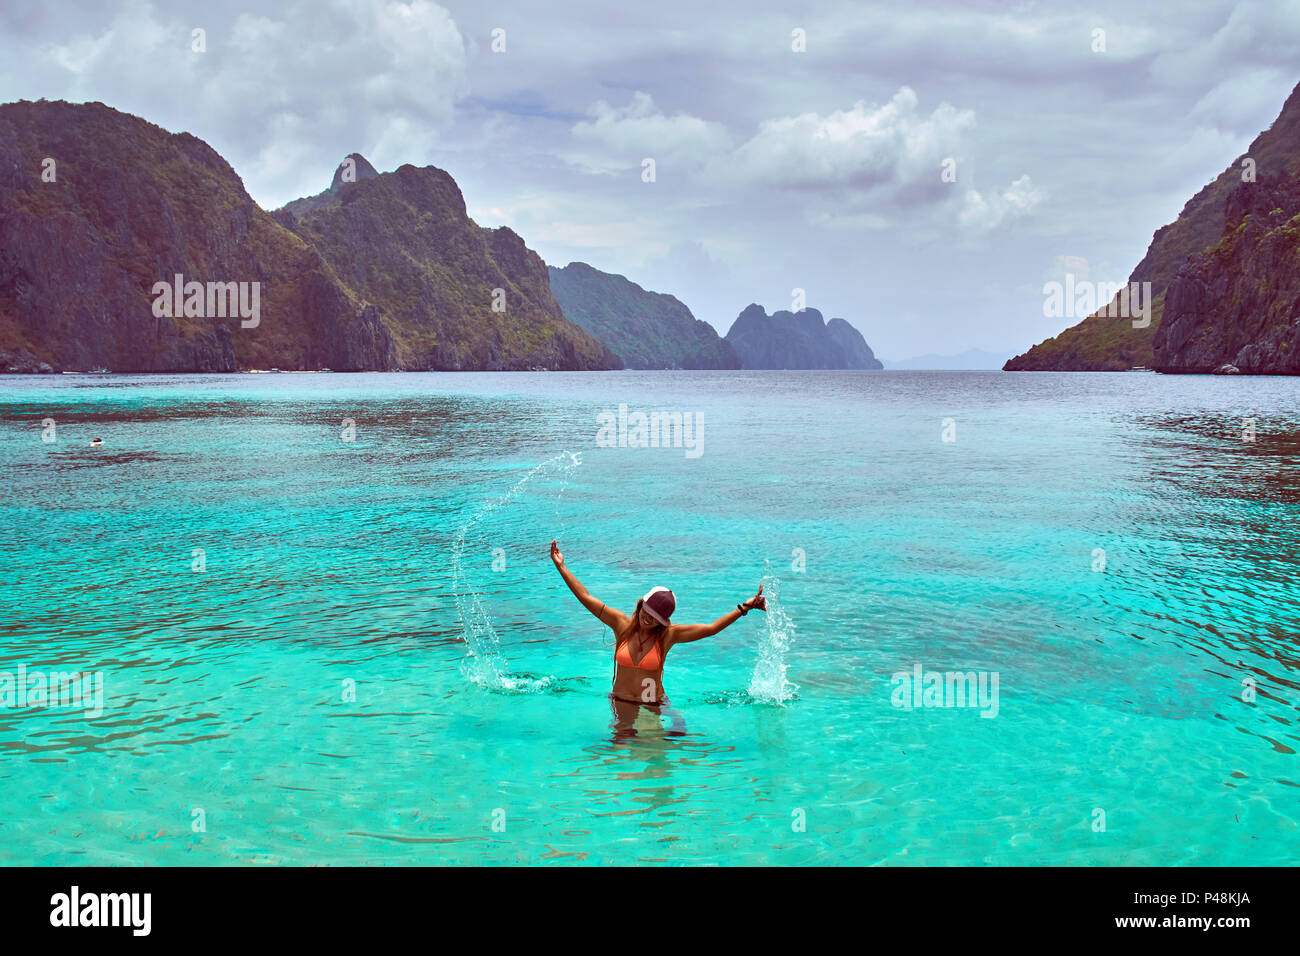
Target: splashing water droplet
point(484, 666)
point(768, 681)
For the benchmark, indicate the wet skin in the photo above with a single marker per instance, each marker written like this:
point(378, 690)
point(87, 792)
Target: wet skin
point(635, 685)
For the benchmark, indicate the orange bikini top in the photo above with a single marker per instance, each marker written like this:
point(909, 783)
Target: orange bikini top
point(652, 660)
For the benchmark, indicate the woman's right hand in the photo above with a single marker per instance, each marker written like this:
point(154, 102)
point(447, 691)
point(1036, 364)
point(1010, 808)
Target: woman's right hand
point(555, 554)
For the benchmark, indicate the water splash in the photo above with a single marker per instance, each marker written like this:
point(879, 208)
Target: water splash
point(575, 459)
point(484, 666)
point(768, 682)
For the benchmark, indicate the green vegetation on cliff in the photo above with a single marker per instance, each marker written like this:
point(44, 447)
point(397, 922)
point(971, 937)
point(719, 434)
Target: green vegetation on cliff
point(96, 206)
point(645, 329)
point(387, 271)
point(455, 296)
point(1101, 343)
point(1238, 303)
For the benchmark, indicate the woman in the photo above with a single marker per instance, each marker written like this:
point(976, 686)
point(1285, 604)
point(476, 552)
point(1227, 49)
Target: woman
point(643, 639)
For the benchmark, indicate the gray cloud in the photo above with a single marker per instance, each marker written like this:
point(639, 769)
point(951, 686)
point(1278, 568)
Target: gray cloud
point(276, 90)
point(776, 169)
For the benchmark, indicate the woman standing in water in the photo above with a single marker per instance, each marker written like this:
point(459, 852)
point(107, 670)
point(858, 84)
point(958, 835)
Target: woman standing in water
point(643, 639)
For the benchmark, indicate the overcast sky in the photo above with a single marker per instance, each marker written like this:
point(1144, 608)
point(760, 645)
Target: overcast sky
point(774, 169)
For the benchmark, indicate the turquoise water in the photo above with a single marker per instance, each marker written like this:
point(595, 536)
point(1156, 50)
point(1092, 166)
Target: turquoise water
point(408, 569)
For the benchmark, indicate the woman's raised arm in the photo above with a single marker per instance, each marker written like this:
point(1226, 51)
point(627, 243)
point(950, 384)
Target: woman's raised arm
point(685, 633)
point(608, 615)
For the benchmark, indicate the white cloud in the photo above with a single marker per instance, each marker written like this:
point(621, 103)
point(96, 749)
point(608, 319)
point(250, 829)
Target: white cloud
point(1238, 103)
point(639, 130)
point(273, 92)
point(803, 169)
point(980, 214)
point(1063, 265)
point(566, 227)
point(863, 146)
point(1254, 35)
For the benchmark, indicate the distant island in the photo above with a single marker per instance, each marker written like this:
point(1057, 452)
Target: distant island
point(798, 340)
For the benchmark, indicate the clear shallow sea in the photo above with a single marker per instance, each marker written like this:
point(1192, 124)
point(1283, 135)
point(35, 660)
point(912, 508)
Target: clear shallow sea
point(330, 564)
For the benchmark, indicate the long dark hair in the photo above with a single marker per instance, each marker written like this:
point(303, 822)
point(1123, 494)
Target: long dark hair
point(634, 628)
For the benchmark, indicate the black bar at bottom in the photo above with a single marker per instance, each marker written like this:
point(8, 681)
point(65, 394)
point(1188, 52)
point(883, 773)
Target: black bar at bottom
point(302, 906)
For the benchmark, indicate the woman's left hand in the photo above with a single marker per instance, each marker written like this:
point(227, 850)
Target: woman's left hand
point(757, 602)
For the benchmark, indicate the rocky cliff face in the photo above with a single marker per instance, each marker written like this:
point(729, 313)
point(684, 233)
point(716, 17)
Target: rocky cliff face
point(1101, 343)
point(645, 329)
point(798, 340)
point(852, 345)
point(454, 295)
point(1238, 303)
point(97, 206)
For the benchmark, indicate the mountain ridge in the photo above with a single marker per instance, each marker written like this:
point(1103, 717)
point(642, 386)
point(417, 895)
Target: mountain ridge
point(128, 206)
point(456, 295)
point(1237, 306)
point(1102, 343)
point(798, 340)
point(645, 329)
point(81, 255)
